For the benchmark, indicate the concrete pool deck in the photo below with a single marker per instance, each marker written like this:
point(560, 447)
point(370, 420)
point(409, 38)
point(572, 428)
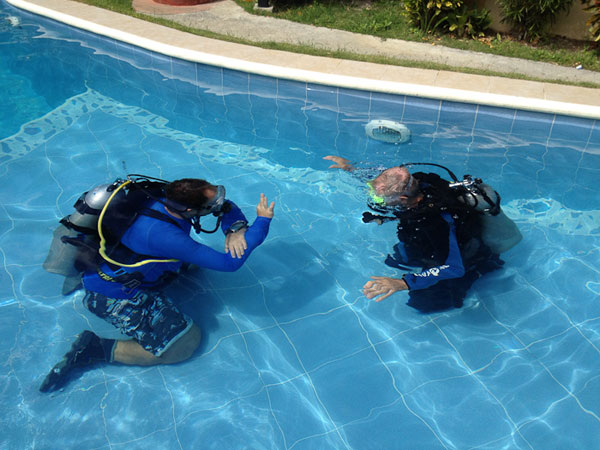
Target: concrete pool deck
point(227, 16)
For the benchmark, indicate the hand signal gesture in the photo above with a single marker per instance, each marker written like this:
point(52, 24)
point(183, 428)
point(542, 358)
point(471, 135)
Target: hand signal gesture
point(263, 209)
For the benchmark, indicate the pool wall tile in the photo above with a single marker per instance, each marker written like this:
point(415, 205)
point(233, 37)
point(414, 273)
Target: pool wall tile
point(235, 82)
point(354, 103)
point(239, 102)
point(572, 128)
point(421, 111)
point(289, 128)
point(125, 53)
point(214, 109)
point(458, 114)
point(162, 64)
point(261, 86)
point(291, 91)
point(589, 178)
point(142, 58)
point(291, 111)
point(323, 119)
point(533, 125)
point(184, 71)
point(387, 107)
point(210, 78)
point(595, 137)
point(321, 97)
point(590, 158)
point(237, 117)
point(494, 119)
point(265, 127)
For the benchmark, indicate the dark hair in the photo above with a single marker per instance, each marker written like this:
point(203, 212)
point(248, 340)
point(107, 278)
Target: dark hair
point(189, 192)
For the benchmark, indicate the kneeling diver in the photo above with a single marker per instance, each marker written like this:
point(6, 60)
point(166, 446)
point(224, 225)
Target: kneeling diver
point(130, 237)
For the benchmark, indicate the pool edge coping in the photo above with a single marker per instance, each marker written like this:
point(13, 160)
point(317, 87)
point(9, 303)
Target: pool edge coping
point(310, 76)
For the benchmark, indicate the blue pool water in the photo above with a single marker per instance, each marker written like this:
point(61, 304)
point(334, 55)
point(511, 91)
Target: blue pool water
point(293, 355)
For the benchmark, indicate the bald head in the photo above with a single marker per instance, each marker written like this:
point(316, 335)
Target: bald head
point(394, 182)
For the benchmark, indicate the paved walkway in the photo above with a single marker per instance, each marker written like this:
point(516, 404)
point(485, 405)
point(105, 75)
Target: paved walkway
point(226, 17)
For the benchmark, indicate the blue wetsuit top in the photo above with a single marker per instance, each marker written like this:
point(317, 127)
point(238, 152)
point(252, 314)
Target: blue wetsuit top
point(164, 240)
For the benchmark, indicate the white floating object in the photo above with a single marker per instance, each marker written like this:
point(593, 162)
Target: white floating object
point(14, 21)
point(388, 131)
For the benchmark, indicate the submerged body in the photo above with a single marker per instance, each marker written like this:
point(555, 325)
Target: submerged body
point(449, 232)
point(142, 242)
point(443, 237)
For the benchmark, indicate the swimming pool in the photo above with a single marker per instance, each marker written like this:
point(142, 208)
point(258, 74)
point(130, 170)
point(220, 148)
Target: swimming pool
point(293, 355)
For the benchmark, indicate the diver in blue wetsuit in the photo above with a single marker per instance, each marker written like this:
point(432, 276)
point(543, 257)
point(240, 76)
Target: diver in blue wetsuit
point(137, 253)
point(440, 231)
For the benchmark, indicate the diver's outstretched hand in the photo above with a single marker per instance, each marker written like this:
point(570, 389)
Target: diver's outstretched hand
point(235, 243)
point(383, 286)
point(263, 209)
point(340, 163)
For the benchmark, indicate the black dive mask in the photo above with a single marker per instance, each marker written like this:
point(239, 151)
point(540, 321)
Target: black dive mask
point(217, 207)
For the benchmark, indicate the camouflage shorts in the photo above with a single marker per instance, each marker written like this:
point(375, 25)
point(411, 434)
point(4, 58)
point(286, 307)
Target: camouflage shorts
point(149, 318)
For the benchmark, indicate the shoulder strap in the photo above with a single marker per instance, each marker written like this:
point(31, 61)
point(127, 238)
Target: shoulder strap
point(159, 216)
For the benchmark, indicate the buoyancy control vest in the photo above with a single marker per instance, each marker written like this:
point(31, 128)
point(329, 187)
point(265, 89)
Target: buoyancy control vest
point(92, 234)
point(481, 225)
point(424, 232)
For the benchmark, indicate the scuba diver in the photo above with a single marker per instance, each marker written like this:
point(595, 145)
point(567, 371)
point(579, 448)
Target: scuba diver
point(452, 233)
point(124, 242)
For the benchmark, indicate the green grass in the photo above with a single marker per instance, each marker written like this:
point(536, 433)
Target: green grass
point(350, 16)
point(385, 19)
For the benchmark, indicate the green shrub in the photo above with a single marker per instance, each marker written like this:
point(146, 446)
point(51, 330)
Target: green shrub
point(593, 22)
point(431, 16)
point(531, 18)
point(469, 22)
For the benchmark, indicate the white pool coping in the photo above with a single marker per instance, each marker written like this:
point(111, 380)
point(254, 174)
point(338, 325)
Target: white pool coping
point(187, 46)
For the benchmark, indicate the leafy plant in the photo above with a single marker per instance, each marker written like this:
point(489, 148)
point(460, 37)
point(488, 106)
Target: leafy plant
point(430, 15)
point(594, 21)
point(531, 18)
point(469, 22)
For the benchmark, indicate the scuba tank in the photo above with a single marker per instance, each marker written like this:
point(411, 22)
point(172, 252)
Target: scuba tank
point(90, 235)
point(498, 232)
point(75, 241)
point(89, 206)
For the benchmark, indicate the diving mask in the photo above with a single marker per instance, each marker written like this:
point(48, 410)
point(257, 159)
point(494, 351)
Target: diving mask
point(214, 206)
point(373, 197)
point(393, 198)
point(217, 206)
point(384, 200)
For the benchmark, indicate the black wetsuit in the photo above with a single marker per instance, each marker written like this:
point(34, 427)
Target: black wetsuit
point(441, 236)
